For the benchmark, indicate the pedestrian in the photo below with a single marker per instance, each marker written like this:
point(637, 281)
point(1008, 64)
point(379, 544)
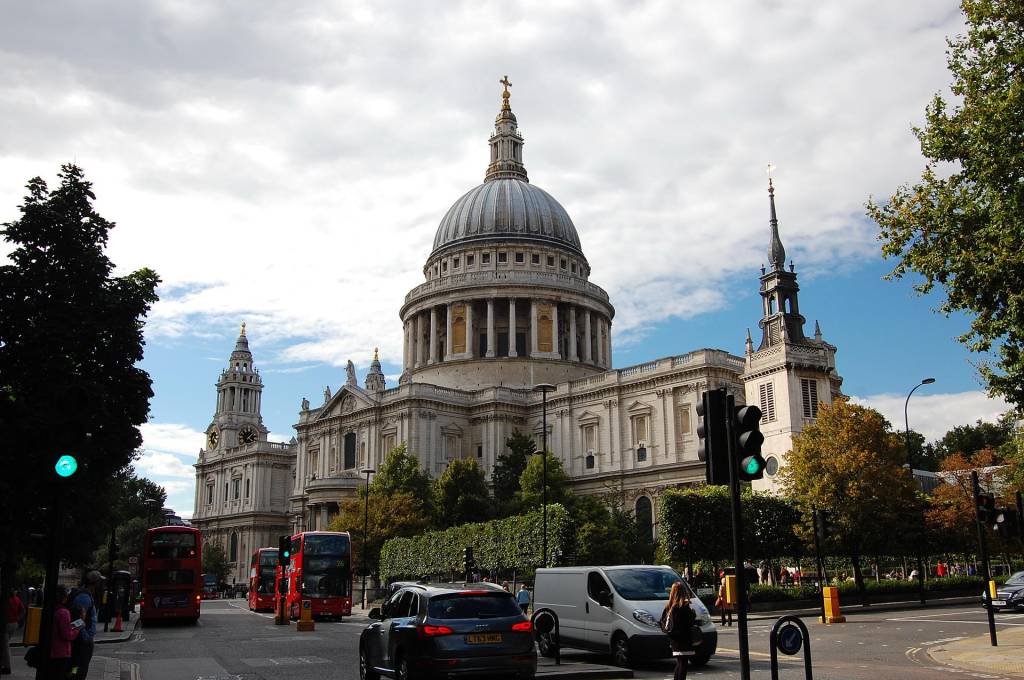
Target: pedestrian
point(678, 622)
point(523, 598)
point(505, 586)
point(724, 608)
point(85, 600)
point(14, 608)
point(940, 569)
point(65, 630)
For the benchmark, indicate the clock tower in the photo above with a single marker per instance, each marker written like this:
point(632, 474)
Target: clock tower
point(241, 477)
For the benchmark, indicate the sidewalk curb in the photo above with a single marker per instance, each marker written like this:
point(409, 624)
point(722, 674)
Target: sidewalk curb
point(125, 636)
point(909, 605)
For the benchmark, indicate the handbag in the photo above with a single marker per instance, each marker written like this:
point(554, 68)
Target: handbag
point(33, 656)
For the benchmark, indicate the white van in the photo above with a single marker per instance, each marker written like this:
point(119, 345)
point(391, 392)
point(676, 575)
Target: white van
point(615, 610)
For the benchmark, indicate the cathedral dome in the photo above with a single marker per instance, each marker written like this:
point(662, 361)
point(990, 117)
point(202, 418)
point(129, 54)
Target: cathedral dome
point(507, 209)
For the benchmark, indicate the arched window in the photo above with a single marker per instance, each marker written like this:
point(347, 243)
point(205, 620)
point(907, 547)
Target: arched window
point(644, 517)
point(233, 549)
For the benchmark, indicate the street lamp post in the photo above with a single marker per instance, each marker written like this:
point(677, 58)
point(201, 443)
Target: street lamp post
point(910, 466)
point(544, 388)
point(366, 527)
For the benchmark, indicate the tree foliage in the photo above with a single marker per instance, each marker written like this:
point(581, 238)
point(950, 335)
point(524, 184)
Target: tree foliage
point(216, 562)
point(400, 473)
point(70, 345)
point(969, 439)
point(951, 513)
point(531, 482)
point(509, 467)
point(847, 463)
point(461, 494)
point(391, 514)
point(961, 227)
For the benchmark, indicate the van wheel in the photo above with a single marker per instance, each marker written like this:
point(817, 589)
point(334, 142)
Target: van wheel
point(620, 651)
point(546, 645)
point(699, 660)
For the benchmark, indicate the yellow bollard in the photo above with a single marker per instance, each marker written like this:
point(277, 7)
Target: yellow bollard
point(305, 624)
point(991, 590)
point(830, 596)
point(33, 619)
point(731, 594)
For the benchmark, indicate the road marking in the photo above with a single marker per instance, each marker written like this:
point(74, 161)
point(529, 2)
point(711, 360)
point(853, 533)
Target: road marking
point(982, 623)
point(939, 642)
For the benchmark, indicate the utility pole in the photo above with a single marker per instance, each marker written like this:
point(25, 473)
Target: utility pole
point(982, 520)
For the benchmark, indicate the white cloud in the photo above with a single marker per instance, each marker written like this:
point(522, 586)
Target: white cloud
point(289, 164)
point(173, 438)
point(933, 415)
point(168, 450)
point(159, 465)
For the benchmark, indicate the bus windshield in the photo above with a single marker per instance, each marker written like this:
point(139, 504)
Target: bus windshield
point(172, 545)
point(325, 576)
point(268, 558)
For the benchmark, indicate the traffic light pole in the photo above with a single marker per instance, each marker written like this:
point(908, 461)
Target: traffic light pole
point(50, 584)
point(737, 541)
point(982, 544)
point(108, 599)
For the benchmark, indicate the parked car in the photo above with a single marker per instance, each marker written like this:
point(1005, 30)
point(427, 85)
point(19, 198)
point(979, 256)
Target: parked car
point(426, 630)
point(1010, 595)
point(616, 610)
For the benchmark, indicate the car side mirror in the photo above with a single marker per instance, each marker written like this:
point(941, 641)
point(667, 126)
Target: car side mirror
point(375, 614)
point(604, 598)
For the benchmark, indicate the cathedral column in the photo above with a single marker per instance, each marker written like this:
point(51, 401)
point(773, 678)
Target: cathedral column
point(512, 327)
point(556, 341)
point(470, 339)
point(534, 348)
point(490, 328)
point(600, 342)
point(433, 335)
point(586, 337)
point(448, 337)
point(573, 354)
point(405, 345)
point(419, 340)
point(608, 339)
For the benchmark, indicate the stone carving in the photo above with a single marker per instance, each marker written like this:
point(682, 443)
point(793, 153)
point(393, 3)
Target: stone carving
point(327, 394)
point(348, 404)
point(350, 373)
point(305, 404)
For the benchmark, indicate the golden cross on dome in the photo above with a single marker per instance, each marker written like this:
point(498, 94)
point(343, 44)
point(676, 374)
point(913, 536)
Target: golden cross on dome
point(770, 169)
point(507, 83)
point(376, 354)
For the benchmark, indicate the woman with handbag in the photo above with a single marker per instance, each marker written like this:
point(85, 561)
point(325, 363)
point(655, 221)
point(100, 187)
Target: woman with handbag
point(679, 623)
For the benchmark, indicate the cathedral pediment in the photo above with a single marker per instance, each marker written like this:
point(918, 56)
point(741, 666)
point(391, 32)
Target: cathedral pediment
point(348, 399)
point(638, 407)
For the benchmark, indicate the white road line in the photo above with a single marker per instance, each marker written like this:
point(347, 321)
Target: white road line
point(983, 623)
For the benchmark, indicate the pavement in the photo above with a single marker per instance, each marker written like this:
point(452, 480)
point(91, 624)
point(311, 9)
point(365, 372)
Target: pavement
point(976, 654)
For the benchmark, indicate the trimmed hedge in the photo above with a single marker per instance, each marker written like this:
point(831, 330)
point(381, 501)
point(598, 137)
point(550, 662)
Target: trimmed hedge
point(513, 542)
point(955, 584)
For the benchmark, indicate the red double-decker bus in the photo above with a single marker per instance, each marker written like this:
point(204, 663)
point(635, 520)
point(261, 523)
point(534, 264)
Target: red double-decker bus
point(171, 573)
point(262, 570)
point(320, 570)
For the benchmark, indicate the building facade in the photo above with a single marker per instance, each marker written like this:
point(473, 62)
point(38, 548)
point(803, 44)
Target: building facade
point(506, 304)
point(242, 479)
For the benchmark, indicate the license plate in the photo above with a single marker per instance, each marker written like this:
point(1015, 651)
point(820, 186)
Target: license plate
point(999, 603)
point(483, 638)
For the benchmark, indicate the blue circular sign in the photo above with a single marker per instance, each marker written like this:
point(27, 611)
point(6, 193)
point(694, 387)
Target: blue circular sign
point(790, 640)
point(66, 465)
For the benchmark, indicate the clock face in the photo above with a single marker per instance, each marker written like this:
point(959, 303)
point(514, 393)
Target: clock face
point(212, 439)
point(247, 435)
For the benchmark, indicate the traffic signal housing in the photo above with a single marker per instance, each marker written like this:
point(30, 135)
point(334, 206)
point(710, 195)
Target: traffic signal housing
point(1006, 522)
point(467, 559)
point(284, 550)
point(714, 437)
point(986, 508)
point(748, 443)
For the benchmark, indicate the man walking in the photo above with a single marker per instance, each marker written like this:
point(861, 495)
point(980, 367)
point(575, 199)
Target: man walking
point(523, 598)
point(85, 600)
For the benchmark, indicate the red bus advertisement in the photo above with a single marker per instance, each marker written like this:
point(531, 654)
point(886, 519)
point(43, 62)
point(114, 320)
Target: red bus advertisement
point(171, 574)
point(320, 570)
point(262, 575)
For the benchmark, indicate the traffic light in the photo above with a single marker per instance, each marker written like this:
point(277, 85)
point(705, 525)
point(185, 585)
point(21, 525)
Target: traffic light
point(822, 526)
point(714, 439)
point(66, 466)
point(284, 550)
point(1006, 522)
point(986, 508)
point(467, 559)
point(748, 443)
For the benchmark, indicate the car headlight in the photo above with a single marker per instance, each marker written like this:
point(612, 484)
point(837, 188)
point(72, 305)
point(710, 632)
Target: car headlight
point(704, 618)
point(645, 617)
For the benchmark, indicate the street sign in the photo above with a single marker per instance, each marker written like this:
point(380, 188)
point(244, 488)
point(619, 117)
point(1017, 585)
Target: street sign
point(790, 640)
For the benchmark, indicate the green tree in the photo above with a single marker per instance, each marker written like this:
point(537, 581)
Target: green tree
point(847, 464)
point(461, 494)
point(969, 439)
point(400, 473)
point(1012, 476)
point(216, 562)
point(509, 467)
point(531, 483)
point(391, 515)
point(70, 382)
point(961, 227)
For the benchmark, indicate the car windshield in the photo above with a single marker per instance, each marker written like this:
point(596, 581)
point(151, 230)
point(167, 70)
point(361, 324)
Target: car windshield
point(643, 584)
point(473, 606)
point(1016, 580)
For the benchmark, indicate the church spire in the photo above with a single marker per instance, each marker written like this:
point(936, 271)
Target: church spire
point(375, 377)
point(776, 252)
point(781, 321)
point(506, 143)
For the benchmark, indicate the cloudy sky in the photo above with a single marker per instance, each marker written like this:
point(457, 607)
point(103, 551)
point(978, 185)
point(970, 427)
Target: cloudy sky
point(286, 164)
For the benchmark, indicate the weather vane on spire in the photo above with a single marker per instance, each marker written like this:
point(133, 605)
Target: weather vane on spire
point(770, 170)
point(506, 94)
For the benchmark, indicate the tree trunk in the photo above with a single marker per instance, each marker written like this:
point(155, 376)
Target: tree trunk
point(858, 578)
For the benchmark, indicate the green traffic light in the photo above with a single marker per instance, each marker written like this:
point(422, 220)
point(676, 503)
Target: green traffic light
point(66, 465)
point(752, 466)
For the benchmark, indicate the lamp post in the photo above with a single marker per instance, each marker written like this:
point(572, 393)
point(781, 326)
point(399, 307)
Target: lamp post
point(366, 526)
point(910, 466)
point(544, 388)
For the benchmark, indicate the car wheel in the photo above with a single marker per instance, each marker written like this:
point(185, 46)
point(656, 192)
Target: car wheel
point(546, 644)
point(620, 651)
point(365, 671)
point(699, 660)
point(402, 670)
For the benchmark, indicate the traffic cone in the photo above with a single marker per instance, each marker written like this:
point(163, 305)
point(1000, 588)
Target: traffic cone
point(117, 623)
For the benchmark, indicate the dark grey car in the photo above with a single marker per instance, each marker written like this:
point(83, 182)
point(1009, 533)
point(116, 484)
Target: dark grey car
point(1010, 595)
point(438, 631)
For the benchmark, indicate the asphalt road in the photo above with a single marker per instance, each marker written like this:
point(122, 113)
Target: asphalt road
point(232, 643)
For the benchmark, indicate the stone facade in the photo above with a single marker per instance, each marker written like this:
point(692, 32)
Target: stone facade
point(242, 480)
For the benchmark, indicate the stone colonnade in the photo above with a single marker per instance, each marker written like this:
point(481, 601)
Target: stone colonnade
point(543, 329)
